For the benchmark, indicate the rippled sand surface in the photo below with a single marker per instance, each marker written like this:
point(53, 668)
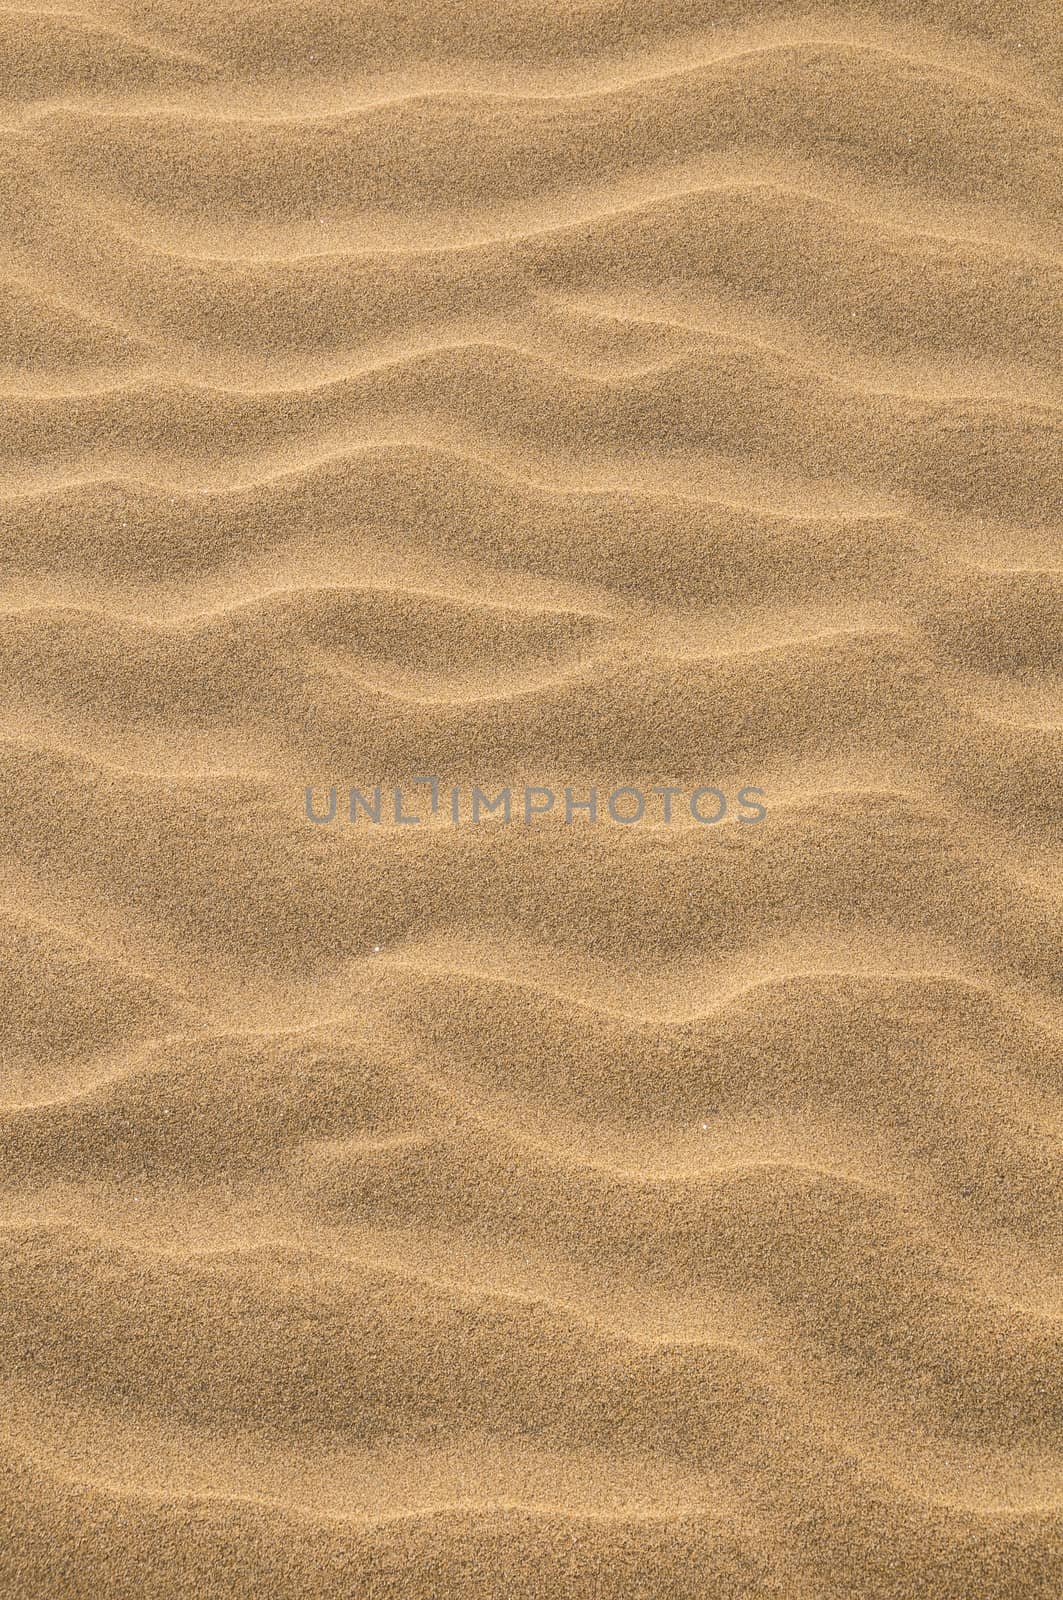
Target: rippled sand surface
point(587, 395)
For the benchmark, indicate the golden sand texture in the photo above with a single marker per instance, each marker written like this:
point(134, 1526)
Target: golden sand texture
point(613, 392)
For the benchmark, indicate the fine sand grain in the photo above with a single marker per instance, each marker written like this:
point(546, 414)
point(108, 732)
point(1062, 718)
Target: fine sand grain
point(533, 392)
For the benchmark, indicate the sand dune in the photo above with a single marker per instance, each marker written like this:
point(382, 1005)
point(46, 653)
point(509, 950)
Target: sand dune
point(533, 395)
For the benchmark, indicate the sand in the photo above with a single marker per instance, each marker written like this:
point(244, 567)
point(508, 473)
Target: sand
point(528, 394)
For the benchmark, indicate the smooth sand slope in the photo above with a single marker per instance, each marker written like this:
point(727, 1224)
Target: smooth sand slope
point(526, 393)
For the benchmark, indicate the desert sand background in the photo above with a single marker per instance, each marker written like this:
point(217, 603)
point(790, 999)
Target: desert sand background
point(584, 394)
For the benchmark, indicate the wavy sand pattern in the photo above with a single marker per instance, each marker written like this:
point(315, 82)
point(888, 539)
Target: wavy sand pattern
point(527, 393)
